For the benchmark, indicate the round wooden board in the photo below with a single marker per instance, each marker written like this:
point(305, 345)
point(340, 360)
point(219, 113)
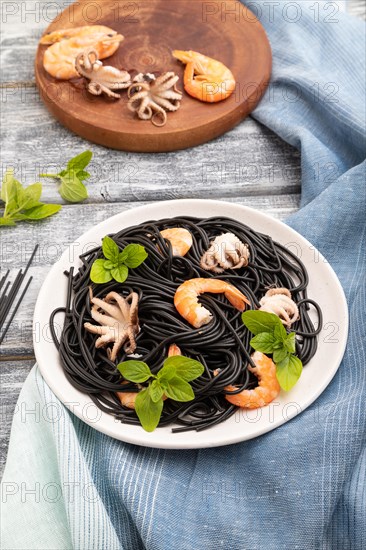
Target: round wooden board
point(226, 31)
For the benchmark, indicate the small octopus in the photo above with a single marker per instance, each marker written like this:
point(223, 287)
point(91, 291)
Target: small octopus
point(118, 322)
point(150, 98)
point(102, 79)
point(225, 252)
point(279, 302)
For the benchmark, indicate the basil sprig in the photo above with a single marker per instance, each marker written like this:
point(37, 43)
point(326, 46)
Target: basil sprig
point(271, 337)
point(23, 203)
point(171, 381)
point(71, 187)
point(115, 264)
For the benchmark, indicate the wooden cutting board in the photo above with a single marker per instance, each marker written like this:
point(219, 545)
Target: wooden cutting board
point(226, 31)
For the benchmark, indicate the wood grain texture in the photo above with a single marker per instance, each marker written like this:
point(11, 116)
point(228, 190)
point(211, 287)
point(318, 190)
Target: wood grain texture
point(248, 160)
point(157, 28)
point(232, 167)
point(55, 234)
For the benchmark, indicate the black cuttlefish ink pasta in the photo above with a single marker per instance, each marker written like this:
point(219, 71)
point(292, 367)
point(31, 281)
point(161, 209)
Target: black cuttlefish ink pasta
point(221, 344)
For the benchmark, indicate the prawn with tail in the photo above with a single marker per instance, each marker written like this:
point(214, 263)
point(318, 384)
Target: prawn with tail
point(128, 399)
point(268, 387)
point(66, 44)
point(186, 299)
point(205, 78)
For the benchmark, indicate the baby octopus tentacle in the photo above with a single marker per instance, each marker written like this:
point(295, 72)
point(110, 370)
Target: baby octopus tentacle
point(153, 98)
point(118, 323)
point(279, 302)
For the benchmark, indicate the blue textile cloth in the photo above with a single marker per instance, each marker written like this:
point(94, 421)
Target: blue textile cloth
point(301, 486)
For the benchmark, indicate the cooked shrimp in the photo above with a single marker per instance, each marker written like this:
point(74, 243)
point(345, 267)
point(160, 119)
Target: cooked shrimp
point(186, 299)
point(268, 387)
point(128, 399)
point(66, 44)
point(180, 239)
point(205, 78)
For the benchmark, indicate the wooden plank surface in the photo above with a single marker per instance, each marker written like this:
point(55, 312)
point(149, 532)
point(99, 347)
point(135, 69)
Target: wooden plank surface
point(249, 165)
point(54, 235)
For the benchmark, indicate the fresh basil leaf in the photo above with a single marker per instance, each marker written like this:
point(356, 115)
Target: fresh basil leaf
point(31, 196)
point(178, 389)
point(135, 371)
point(284, 363)
point(288, 372)
point(156, 391)
point(79, 162)
point(260, 321)
point(148, 412)
point(166, 373)
point(279, 355)
point(280, 332)
point(110, 249)
point(263, 342)
point(82, 175)
point(108, 264)
point(185, 367)
point(40, 212)
point(122, 256)
point(6, 221)
point(119, 273)
point(290, 342)
point(9, 186)
point(136, 254)
point(98, 274)
point(72, 190)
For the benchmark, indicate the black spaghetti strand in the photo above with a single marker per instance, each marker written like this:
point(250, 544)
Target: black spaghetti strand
point(222, 346)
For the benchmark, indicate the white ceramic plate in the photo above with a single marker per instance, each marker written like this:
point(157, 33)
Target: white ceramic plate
point(324, 287)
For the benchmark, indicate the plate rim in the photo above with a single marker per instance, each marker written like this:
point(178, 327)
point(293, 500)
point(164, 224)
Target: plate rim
point(145, 438)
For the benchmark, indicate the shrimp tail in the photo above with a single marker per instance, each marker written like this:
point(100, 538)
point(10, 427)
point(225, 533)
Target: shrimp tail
point(237, 299)
point(174, 350)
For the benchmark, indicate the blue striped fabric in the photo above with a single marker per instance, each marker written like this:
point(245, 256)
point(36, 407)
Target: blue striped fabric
point(301, 486)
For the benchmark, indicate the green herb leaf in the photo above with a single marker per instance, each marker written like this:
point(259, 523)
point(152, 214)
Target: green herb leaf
point(72, 190)
point(178, 389)
point(136, 255)
point(166, 373)
point(9, 186)
point(6, 221)
point(108, 264)
point(117, 263)
point(29, 197)
point(110, 250)
point(41, 211)
point(271, 337)
point(119, 273)
point(83, 175)
point(135, 371)
point(260, 321)
point(22, 203)
point(156, 391)
point(290, 342)
point(79, 162)
point(288, 372)
point(185, 367)
point(147, 410)
point(264, 342)
point(122, 256)
point(279, 355)
point(98, 273)
point(280, 333)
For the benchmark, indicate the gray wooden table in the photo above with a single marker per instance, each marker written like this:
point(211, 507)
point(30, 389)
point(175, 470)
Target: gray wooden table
point(249, 165)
